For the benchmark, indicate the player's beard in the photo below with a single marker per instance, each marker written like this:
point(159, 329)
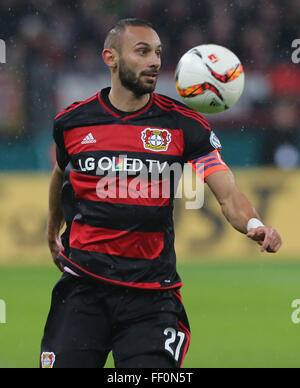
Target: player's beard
point(134, 83)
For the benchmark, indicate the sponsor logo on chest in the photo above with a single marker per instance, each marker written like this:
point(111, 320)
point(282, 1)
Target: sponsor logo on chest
point(120, 163)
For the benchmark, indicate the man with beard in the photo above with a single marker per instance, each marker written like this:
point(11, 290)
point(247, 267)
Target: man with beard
point(119, 290)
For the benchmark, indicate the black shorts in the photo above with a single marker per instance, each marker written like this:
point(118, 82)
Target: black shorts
point(87, 320)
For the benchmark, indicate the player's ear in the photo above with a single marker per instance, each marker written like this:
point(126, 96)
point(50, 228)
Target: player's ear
point(110, 58)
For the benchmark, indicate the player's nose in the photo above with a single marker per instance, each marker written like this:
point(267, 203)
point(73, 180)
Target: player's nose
point(154, 61)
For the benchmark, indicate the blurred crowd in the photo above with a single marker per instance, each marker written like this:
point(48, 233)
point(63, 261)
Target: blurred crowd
point(260, 31)
point(46, 39)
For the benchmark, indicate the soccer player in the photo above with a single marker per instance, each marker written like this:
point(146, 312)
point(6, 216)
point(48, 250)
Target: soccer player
point(120, 290)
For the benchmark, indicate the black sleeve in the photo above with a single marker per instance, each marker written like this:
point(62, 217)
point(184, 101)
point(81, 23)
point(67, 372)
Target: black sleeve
point(199, 139)
point(62, 156)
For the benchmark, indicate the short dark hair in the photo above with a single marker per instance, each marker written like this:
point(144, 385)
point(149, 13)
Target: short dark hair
point(113, 37)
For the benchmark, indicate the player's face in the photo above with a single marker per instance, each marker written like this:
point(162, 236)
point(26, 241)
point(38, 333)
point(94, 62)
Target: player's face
point(140, 60)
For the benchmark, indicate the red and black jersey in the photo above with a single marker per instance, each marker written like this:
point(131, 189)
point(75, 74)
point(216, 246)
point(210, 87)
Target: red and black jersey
point(119, 222)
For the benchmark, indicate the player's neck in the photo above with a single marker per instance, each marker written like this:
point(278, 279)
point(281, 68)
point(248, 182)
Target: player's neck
point(125, 101)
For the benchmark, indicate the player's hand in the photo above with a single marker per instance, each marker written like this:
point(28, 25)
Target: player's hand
point(56, 246)
point(267, 237)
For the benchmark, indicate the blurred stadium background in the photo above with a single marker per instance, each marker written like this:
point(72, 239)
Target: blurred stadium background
point(238, 300)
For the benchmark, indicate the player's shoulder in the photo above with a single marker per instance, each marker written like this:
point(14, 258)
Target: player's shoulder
point(180, 110)
point(76, 110)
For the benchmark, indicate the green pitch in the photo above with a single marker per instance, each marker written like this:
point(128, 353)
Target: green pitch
point(240, 314)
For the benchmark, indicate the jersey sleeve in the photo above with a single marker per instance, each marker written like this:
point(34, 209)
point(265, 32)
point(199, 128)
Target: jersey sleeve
point(202, 148)
point(199, 139)
point(208, 164)
point(62, 156)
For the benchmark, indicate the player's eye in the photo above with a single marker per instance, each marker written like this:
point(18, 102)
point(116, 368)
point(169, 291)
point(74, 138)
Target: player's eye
point(158, 53)
point(142, 51)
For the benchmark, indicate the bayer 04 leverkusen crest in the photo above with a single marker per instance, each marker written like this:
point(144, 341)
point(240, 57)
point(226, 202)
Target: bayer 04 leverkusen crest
point(156, 139)
point(47, 360)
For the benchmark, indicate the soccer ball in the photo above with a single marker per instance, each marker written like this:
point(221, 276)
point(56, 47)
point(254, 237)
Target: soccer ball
point(209, 78)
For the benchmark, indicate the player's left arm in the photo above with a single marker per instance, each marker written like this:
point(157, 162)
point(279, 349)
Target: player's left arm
point(202, 148)
point(238, 210)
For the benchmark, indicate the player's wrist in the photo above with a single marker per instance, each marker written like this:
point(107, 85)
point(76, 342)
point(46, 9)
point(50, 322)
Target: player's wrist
point(254, 223)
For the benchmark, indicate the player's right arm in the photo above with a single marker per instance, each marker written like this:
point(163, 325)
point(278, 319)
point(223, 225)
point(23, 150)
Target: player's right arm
point(55, 220)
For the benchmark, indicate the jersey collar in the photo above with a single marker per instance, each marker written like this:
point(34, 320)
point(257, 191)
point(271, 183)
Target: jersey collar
point(106, 104)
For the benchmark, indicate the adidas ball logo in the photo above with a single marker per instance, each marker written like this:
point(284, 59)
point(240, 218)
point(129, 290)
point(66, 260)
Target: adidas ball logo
point(89, 139)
